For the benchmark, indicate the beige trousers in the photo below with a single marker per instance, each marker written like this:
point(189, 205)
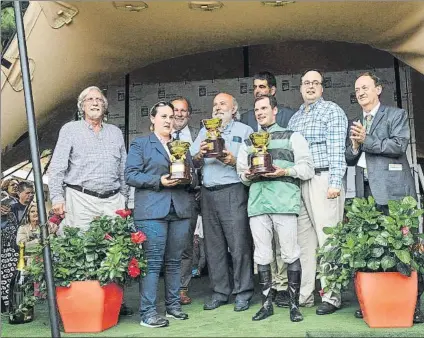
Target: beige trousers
point(82, 208)
point(263, 226)
point(278, 267)
point(317, 212)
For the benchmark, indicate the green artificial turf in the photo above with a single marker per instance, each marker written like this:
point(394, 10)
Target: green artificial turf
point(224, 322)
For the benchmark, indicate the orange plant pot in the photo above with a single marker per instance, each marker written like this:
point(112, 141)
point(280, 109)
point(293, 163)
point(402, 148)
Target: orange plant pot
point(387, 299)
point(88, 307)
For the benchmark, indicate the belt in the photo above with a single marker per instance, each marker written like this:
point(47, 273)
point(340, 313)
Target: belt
point(219, 187)
point(93, 193)
point(321, 170)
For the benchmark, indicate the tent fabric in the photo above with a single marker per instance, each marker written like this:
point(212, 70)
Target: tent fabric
point(98, 41)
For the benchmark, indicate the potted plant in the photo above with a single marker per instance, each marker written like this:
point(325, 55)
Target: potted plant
point(383, 253)
point(90, 269)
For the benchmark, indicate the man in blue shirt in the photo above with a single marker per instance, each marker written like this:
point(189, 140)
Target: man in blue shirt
point(224, 211)
point(324, 125)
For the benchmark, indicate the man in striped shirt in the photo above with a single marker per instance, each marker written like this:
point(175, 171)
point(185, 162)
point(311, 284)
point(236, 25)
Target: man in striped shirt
point(87, 168)
point(324, 125)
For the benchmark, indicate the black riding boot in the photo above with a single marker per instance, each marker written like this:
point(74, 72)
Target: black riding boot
point(294, 275)
point(418, 315)
point(265, 279)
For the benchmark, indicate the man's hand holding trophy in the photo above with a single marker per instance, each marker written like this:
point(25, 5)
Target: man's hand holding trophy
point(260, 160)
point(214, 144)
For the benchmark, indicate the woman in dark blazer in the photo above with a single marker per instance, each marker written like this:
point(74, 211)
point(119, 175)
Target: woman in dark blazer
point(162, 210)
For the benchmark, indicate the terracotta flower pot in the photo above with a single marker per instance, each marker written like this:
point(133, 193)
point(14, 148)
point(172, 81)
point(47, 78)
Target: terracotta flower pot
point(387, 299)
point(88, 307)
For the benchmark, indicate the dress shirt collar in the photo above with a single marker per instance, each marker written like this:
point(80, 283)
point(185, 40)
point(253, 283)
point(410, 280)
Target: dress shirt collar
point(161, 140)
point(228, 127)
point(89, 126)
point(184, 134)
point(373, 111)
point(311, 106)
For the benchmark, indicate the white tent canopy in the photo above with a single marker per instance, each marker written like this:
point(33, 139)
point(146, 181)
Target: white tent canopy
point(73, 43)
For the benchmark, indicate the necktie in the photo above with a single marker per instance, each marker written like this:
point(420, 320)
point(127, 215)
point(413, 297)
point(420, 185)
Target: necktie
point(177, 134)
point(368, 122)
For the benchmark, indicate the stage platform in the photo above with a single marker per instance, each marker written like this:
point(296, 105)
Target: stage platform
point(224, 322)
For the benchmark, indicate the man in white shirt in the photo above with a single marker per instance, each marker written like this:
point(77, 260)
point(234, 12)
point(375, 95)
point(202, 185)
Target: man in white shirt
point(182, 112)
point(182, 131)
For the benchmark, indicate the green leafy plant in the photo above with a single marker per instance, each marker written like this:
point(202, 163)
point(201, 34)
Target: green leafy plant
point(369, 241)
point(110, 251)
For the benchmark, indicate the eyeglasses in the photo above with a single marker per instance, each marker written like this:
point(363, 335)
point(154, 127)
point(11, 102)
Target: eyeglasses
point(313, 83)
point(158, 104)
point(91, 100)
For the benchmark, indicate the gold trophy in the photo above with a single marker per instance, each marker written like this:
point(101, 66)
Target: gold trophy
point(260, 160)
point(216, 143)
point(179, 168)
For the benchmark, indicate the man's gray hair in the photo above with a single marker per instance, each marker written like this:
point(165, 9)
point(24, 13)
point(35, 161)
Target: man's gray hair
point(84, 94)
point(236, 115)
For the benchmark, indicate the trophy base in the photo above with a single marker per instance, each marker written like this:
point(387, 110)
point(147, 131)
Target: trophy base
point(216, 148)
point(181, 172)
point(261, 164)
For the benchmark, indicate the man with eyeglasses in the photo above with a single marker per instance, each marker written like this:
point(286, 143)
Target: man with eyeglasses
point(86, 174)
point(224, 211)
point(264, 83)
point(89, 160)
point(182, 131)
point(324, 125)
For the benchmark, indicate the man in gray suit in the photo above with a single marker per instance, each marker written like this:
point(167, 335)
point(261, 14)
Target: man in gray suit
point(379, 138)
point(264, 83)
point(182, 112)
point(182, 131)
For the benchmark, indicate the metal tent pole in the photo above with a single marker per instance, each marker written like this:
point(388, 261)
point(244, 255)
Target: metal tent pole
point(35, 158)
point(127, 113)
point(412, 141)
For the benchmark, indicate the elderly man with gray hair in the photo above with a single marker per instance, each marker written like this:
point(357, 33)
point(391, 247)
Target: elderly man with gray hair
point(224, 211)
point(86, 176)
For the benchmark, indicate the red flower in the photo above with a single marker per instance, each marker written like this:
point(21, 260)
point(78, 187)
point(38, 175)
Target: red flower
point(56, 219)
point(123, 212)
point(321, 292)
point(133, 269)
point(138, 237)
point(108, 237)
point(133, 261)
point(405, 230)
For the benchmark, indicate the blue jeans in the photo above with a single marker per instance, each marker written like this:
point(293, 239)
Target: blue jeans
point(166, 238)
